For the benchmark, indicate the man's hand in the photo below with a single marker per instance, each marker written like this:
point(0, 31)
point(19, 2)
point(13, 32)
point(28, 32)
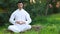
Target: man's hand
point(20, 22)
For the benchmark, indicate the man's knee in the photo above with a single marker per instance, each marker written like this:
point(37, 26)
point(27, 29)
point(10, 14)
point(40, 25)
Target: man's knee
point(9, 27)
point(29, 27)
point(12, 28)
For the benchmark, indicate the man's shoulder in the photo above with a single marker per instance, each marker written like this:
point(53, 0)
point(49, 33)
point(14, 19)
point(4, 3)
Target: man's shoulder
point(25, 10)
point(15, 11)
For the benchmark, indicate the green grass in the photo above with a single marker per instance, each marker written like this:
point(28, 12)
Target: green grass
point(52, 29)
point(47, 29)
point(50, 19)
point(50, 24)
point(3, 31)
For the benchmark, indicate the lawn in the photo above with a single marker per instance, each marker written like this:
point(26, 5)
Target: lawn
point(50, 25)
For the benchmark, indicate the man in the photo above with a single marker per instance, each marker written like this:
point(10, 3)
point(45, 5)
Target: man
point(20, 20)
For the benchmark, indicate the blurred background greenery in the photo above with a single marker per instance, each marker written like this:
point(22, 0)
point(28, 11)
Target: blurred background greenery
point(39, 10)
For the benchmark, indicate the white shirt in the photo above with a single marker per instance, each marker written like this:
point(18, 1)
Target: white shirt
point(20, 15)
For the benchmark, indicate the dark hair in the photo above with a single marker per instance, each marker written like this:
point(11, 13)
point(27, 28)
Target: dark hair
point(20, 1)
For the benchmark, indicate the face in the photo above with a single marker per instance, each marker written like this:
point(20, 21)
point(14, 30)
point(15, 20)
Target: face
point(20, 5)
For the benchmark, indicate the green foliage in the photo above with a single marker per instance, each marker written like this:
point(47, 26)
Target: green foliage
point(36, 10)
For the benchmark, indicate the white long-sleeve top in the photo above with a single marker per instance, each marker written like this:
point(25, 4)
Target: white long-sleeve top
point(20, 15)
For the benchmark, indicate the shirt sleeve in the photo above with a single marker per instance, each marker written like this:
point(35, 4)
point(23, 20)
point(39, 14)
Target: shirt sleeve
point(28, 19)
point(11, 20)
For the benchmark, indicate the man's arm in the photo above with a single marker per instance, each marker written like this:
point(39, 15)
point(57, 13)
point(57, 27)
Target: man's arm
point(11, 20)
point(28, 19)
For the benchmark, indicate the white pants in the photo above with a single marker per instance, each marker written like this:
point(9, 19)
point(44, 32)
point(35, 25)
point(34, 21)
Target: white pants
point(19, 28)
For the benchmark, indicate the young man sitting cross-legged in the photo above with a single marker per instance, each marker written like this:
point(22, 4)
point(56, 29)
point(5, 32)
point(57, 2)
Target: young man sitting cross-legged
point(20, 19)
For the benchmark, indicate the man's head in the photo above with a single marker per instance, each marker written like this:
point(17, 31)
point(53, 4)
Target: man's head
point(20, 5)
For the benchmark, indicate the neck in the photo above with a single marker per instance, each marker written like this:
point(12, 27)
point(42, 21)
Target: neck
point(20, 8)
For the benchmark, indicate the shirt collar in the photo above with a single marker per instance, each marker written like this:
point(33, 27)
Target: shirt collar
point(20, 10)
